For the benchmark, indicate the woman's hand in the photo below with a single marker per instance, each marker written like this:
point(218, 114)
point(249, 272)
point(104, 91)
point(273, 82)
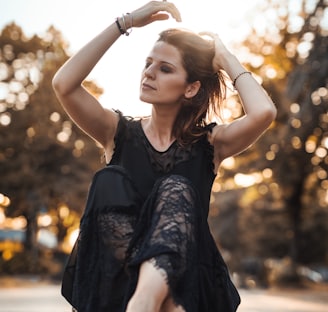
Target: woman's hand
point(221, 51)
point(154, 11)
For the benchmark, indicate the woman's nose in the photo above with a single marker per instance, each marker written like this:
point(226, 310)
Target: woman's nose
point(150, 72)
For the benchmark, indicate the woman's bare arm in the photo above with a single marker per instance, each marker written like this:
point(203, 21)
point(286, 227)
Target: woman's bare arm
point(82, 107)
point(233, 138)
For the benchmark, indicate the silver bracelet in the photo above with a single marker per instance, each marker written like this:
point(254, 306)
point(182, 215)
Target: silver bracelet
point(127, 32)
point(123, 30)
point(235, 80)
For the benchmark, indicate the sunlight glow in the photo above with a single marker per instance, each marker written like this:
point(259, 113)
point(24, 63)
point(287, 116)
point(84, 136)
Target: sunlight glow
point(66, 132)
point(79, 144)
point(44, 220)
point(30, 132)
point(270, 72)
point(5, 119)
point(321, 152)
point(315, 160)
point(267, 173)
point(296, 142)
point(247, 180)
point(73, 237)
point(323, 92)
point(310, 144)
point(54, 117)
point(18, 223)
point(295, 108)
point(296, 123)
point(216, 187)
point(2, 216)
point(63, 211)
point(226, 114)
point(263, 189)
point(4, 90)
point(270, 155)
point(228, 163)
point(63, 137)
point(325, 142)
point(3, 107)
point(232, 24)
point(322, 174)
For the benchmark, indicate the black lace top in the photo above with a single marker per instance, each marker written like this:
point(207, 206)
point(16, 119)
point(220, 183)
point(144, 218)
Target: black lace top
point(150, 206)
point(145, 164)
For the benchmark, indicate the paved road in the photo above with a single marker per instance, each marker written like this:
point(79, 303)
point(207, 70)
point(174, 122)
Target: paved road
point(47, 298)
point(283, 301)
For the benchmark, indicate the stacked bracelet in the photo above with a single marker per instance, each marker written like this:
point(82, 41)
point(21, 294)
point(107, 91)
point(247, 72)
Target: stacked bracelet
point(124, 30)
point(235, 80)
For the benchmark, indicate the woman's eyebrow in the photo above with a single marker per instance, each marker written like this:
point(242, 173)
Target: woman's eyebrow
point(150, 58)
point(168, 63)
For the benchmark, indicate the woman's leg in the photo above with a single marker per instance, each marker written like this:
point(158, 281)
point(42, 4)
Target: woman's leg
point(151, 291)
point(172, 232)
point(169, 306)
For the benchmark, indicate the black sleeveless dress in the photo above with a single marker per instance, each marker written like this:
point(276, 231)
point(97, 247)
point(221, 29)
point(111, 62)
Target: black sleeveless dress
point(149, 205)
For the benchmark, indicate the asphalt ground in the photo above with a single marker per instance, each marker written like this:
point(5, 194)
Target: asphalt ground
point(42, 296)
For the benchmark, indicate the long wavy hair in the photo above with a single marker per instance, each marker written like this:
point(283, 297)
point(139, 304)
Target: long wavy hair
point(197, 55)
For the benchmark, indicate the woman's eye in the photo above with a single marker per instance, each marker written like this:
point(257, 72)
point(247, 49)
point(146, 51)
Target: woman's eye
point(147, 64)
point(166, 69)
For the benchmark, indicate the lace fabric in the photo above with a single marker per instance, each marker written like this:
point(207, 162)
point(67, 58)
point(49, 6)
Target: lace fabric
point(175, 154)
point(116, 229)
point(170, 235)
point(165, 161)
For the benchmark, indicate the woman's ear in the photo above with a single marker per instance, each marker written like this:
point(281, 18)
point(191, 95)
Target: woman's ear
point(192, 89)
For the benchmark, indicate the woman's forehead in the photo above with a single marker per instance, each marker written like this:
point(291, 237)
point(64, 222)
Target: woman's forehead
point(163, 51)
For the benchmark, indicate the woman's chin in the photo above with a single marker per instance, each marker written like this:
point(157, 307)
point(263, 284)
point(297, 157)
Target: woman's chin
point(145, 99)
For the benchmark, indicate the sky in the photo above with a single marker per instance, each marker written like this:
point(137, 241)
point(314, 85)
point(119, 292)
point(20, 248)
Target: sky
point(118, 72)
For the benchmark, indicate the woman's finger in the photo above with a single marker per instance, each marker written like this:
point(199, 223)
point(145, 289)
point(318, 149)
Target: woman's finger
point(155, 11)
point(172, 9)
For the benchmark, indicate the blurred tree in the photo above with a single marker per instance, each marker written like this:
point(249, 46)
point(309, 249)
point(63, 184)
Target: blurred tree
point(284, 207)
point(40, 149)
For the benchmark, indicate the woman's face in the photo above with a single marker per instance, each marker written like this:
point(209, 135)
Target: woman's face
point(164, 80)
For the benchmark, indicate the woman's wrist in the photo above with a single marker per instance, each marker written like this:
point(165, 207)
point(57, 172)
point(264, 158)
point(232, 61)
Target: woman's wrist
point(231, 65)
point(125, 23)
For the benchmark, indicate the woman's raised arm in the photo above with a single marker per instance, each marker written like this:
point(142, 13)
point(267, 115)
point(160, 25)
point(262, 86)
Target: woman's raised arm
point(82, 107)
point(233, 138)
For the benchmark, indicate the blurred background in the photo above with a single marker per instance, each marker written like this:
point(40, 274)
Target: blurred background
point(269, 205)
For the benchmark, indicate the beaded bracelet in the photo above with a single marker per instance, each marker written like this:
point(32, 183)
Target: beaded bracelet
point(235, 80)
point(123, 30)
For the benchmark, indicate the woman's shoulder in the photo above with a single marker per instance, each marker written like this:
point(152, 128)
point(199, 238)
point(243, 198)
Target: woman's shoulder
point(127, 119)
point(128, 127)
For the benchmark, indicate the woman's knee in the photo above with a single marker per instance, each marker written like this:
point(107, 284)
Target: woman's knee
point(176, 189)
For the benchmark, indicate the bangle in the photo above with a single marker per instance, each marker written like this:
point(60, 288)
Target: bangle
point(235, 80)
point(127, 31)
point(123, 30)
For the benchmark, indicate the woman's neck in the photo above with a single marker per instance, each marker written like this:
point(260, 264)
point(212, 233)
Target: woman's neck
point(159, 128)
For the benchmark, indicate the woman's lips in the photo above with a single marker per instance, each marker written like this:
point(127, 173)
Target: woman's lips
point(147, 86)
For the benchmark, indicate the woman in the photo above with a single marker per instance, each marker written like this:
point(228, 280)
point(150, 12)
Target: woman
point(144, 241)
